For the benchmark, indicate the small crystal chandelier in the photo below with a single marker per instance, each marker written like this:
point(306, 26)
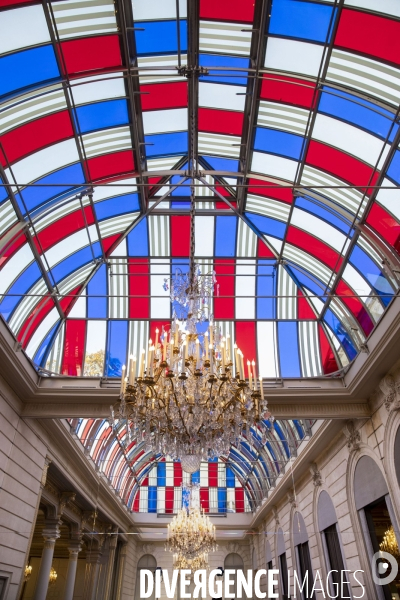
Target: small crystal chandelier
point(389, 543)
point(52, 576)
point(194, 564)
point(27, 572)
point(191, 400)
point(191, 535)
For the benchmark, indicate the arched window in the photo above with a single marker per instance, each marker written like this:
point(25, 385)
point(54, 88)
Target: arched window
point(302, 554)
point(146, 562)
point(327, 525)
point(281, 553)
point(376, 514)
point(234, 562)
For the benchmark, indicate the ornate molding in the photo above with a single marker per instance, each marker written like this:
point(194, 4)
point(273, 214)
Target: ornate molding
point(65, 499)
point(232, 547)
point(352, 436)
point(275, 514)
point(315, 474)
point(391, 393)
point(148, 548)
point(291, 498)
point(47, 462)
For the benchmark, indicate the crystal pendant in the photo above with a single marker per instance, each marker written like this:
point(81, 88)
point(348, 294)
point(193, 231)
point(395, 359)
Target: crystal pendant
point(191, 463)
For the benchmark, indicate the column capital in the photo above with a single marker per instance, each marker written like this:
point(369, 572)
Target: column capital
point(124, 549)
point(94, 556)
point(74, 547)
point(51, 531)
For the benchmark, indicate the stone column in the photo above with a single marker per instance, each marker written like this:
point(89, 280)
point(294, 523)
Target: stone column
point(51, 533)
point(93, 567)
point(74, 548)
point(121, 568)
point(110, 565)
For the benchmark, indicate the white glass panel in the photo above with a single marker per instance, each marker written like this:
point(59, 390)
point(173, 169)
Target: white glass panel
point(319, 228)
point(217, 144)
point(79, 309)
point(40, 333)
point(160, 308)
point(350, 139)
point(216, 95)
point(162, 121)
point(268, 164)
point(357, 282)
point(388, 7)
point(157, 9)
point(14, 266)
point(125, 186)
point(22, 27)
point(292, 56)
point(282, 116)
point(390, 199)
point(95, 347)
point(226, 38)
point(45, 161)
point(71, 244)
point(245, 286)
point(268, 364)
point(99, 87)
point(204, 236)
point(32, 105)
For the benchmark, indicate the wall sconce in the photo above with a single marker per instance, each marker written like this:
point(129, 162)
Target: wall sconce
point(27, 572)
point(52, 576)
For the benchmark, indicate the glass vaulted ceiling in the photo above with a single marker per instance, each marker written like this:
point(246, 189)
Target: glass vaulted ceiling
point(289, 104)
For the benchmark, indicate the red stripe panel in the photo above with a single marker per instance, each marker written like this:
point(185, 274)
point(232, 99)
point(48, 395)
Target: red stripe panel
point(63, 228)
point(328, 359)
point(109, 242)
point(246, 341)
point(75, 335)
point(385, 224)
point(272, 191)
point(224, 308)
point(356, 306)
point(369, 34)
point(68, 302)
point(164, 95)
point(340, 164)
point(4, 3)
point(288, 90)
point(92, 53)
point(180, 236)
point(304, 310)
point(213, 474)
point(12, 248)
point(177, 474)
point(169, 500)
point(204, 499)
point(32, 322)
point(239, 500)
point(136, 501)
point(109, 165)
point(314, 246)
point(263, 251)
point(220, 204)
point(228, 10)
point(139, 284)
point(221, 121)
point(36, 135)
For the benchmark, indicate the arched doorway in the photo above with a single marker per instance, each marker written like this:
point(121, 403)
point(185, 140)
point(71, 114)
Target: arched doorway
point(145, 562)
point(234, 562)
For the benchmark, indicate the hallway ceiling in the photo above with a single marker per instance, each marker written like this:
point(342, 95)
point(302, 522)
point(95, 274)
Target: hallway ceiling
point(276, 108)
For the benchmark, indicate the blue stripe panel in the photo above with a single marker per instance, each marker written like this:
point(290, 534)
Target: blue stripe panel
point(268, 225)
point(314, 284)
point(196, 477)
point(44, 348)
point(299, 428)
point(372, 274)
point(161, 474)
point(288, 345)
point(75, 261)
point(34, 196)
point(160, 37)
point(230, 478)
point(278, 142)
point(217, 60)
point(167, 144)
point(97, 307)
point(394, 169)
point(152, 506)
point(28, 68)
point(340, 332)
point(221, 164)
point(138, 240)
point(24, 282)
point(101, 115)
point(117, 206)
point(266, 285)
point(347, 107)
point(117, 343)
point(225, 236)
point(3, 192)
point(222, 500)
point(305, 20)
point(330, 216)
point(281, 434)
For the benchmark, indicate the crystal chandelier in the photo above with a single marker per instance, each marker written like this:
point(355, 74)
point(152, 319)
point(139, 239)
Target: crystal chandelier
point(389, 543)
point(191, 534)
point(190, 400)
point(52, 576)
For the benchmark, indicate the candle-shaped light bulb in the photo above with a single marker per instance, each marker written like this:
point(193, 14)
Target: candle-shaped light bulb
point(261, 388)
point(123, 379)
point(176, 333)
point(164, 355)
point(141, 368)
point(223, 357)
point(211, 335)
point(185, 350)
point(249, 371)
point(235, 350)
point(156, 344)
point(228, 347)
point(132, 365)
point(150, 342)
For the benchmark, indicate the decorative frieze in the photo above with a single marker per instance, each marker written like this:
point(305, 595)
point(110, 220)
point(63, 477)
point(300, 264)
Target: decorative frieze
point(391, 392)
point(352, 436)
point(315, 474)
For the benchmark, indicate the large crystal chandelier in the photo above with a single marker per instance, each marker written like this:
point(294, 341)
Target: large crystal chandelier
point(191, 399)
point(191, 535)
point(194, 564)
